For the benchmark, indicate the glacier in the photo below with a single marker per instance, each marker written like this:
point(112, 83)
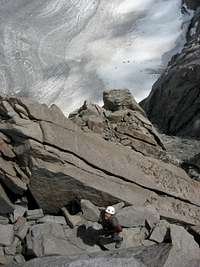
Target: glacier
point(66, 51)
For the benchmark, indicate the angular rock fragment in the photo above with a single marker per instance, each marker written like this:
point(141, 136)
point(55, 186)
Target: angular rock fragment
point(9, 177)
point(4, 220)
point(90, 211)
point(6, 235)
point(21, 228)
point(72, 220)
point(160, 232)
point(34, 214)
point(22, 129)
point(52, 219)
point(138, 216)
point(185, 251)
point(12, 249)
point(19, 211)
point(49, 239)
point(6, 150)
point(19, 259)
point(133, 237)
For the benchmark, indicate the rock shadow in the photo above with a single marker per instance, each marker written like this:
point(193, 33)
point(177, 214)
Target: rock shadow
point(92, 237)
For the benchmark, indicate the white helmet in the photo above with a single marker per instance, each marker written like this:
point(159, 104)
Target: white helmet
point(110, 210)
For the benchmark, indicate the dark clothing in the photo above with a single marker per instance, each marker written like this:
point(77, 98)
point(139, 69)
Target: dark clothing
point(110, 225)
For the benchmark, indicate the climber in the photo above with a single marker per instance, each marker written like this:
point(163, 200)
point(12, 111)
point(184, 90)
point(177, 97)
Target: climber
point(111, 227)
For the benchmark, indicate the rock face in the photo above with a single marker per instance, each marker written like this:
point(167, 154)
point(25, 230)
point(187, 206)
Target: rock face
point(185, 152)
point(55, 157)
point(173, 104)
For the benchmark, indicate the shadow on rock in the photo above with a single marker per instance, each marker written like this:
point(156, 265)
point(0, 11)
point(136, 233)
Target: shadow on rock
point(91, 236)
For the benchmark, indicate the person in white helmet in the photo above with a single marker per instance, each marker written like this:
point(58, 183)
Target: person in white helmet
point(111, 226)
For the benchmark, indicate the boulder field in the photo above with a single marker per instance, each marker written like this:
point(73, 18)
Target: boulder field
point(58, 173)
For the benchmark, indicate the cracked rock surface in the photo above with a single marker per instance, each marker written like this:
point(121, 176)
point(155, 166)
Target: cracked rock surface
point(51, 166)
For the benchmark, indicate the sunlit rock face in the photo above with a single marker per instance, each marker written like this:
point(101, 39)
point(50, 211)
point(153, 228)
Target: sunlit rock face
point(66, 51)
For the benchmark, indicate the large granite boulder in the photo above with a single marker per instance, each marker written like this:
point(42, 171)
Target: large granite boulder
point(173, 104)
point(116, 99)
point(184, 250)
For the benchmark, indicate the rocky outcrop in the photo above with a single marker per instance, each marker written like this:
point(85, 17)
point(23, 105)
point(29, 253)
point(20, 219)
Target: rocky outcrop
point(121, 121)
point(173, 104)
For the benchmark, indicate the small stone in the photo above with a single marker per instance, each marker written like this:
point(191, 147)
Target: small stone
point(19, 211)
point(21, 228)
point(72, 220)
point(147, 243)
point(52, 219)
point(34, 214)
point(90, 211)
point(19, 259)
point(4, 220)
point(160, 231)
